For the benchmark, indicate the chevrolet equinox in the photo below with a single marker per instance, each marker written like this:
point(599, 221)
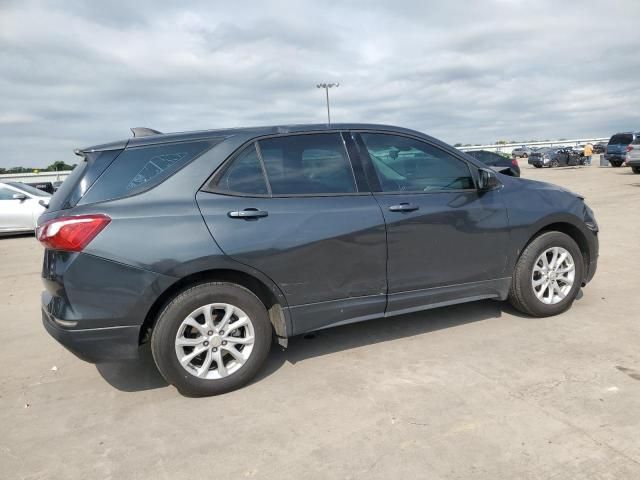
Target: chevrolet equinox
point(211, 244)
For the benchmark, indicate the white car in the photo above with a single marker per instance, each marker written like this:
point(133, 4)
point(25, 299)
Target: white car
point(20, 207)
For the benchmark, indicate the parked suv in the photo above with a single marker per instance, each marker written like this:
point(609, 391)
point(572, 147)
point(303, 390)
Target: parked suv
point(633, 155)
point(522, 151)
point(618, 146)
point(209, 244)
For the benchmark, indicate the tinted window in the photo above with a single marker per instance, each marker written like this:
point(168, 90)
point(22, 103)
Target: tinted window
point(6, 194)
point(621, 139)
point(29, 189)
point(307, 164)
point(488, 158)
point(138, 169)
point(244, 175)
point(405, 164)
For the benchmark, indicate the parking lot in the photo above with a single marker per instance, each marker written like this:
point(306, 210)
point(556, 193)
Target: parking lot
point(471, 391)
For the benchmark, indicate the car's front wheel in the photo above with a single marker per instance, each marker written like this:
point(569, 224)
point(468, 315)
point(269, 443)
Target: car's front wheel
point(211, 339)
point(547, 276)
point(635, 169)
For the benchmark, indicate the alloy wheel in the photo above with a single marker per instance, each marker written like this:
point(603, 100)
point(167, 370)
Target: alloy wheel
point(214, 341)
point(553, 275)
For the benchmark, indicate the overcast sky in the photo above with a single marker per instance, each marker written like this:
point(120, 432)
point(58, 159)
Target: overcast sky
point(75, 73)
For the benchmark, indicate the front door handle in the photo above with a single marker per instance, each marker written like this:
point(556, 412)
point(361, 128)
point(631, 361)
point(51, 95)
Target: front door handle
point(404, 207)
point(248, 213)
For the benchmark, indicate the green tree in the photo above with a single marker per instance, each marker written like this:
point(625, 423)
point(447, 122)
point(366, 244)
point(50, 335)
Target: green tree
point(19, 170)
point(59, 166)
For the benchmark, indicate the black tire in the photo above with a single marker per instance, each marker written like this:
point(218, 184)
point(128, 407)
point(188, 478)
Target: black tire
point(172, 316)
point(525, 155)
point(616, 164)
point(635, 169)
point(522, 295)
point(538, 166)
point(554, 163)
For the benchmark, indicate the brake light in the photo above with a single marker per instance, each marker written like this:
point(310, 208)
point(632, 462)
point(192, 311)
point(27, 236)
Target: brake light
point(629, 148)
point(514, 162)
point(71, 233)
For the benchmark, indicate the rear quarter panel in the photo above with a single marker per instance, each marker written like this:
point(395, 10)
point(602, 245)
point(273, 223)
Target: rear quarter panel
point(162, 231)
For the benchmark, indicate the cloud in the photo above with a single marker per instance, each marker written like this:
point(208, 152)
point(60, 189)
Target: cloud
point(75, 73)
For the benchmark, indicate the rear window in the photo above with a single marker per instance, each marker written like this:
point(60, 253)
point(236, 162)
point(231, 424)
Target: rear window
point(488, 158)
point(621, 139)
point(139, 169)
point(81, 178)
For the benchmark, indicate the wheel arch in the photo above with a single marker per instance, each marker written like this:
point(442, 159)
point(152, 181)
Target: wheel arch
point(571, 231)
point(269, 295)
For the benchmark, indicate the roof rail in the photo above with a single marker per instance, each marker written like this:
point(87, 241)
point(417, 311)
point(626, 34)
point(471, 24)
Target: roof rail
point(144, 132)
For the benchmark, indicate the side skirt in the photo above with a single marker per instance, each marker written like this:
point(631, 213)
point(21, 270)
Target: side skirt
point(318, 316)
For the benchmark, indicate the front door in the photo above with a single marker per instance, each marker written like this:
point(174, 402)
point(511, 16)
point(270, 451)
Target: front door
point(446, 240)
point(307, 225)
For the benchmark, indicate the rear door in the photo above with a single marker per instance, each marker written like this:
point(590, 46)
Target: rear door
point(290, 207)
point(446, 240)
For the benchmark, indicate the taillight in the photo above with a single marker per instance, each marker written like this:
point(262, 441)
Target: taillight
point(629, 148)
point(514, 162)
point(71, 233)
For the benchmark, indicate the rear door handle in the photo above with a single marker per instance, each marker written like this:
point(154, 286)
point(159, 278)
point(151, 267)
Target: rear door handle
point(248, 213)
point(404, 207)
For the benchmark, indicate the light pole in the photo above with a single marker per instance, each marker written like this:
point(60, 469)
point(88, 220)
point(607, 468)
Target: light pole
point(326, 87)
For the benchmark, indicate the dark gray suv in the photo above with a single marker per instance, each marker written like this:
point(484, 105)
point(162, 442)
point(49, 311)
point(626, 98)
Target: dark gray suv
point(209, 244)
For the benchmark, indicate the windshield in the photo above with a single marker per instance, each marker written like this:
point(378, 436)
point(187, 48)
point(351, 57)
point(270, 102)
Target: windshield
point(29, 189)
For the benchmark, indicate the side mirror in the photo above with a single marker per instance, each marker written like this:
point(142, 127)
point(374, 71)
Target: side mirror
point(487, 180)
point(20, 196)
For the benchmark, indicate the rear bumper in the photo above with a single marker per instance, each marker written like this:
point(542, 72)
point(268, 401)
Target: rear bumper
point(615, 157)
point(634, 162)
point(95, 345)
point(96, 307)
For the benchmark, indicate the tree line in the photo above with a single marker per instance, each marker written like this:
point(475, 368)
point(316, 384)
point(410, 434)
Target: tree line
point(58, 166)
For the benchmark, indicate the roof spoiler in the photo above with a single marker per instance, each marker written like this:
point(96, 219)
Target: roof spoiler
point(144, 132)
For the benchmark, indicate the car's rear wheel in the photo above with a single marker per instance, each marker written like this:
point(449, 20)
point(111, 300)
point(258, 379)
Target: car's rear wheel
point(555, 163)
point(525, 155)
point(211, 339)
point(616, 164)
point(635, 169)
point(547, 276)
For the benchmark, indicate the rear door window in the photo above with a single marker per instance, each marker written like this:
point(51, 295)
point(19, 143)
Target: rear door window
point(244, 175)
point(307, 165)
